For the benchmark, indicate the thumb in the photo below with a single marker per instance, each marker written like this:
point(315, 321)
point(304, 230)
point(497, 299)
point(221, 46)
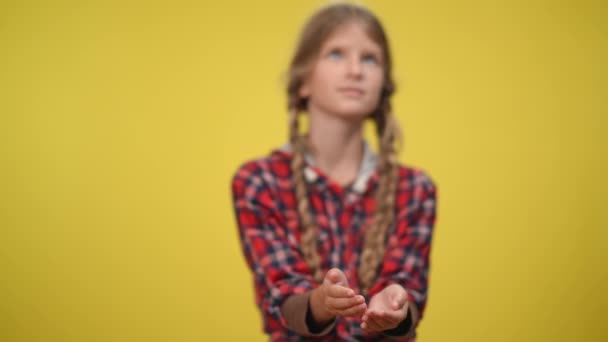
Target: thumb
point(399, 300)
point(336, 276)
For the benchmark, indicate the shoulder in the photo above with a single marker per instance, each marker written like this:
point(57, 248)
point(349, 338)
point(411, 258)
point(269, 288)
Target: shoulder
point(416, 193)
point(415, 179)
point(261, 173)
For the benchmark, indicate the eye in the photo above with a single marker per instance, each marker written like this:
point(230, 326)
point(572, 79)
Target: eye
point(335, 54)
point(370, 59)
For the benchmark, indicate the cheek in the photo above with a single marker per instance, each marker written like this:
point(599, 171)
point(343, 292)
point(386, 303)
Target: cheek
point(321, 90)
point(321, 79)
point(378, 82)
point(378, 79)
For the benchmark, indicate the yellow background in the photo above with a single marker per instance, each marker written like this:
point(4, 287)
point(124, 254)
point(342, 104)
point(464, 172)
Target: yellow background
point(121, 124)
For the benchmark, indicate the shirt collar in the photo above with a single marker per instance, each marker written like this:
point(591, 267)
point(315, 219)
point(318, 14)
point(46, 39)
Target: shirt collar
point(366, 169)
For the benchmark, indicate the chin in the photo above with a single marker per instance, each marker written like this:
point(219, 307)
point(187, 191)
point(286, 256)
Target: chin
point(358, 113)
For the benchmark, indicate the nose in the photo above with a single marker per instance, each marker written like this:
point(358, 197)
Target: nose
point(354, 67)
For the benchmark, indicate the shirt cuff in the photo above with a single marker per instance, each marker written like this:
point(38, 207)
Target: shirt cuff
point(294, 310)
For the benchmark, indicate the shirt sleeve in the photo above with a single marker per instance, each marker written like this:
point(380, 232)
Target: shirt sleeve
point(406, 261)
point(272, 254)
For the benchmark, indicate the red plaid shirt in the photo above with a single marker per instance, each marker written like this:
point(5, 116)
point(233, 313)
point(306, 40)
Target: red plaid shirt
point(265, 206)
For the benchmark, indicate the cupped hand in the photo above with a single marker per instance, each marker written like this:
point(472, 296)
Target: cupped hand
point(386, 309)
point(340, 299)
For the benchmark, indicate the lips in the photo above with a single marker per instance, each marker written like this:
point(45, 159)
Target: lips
point(351, 91)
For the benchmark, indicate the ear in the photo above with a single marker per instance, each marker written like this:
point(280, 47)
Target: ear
point(304, 90)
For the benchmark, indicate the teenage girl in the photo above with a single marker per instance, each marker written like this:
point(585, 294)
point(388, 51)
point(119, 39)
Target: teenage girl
point(337, 236)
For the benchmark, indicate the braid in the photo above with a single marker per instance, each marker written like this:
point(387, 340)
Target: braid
point(375, 236)
point(309, 230)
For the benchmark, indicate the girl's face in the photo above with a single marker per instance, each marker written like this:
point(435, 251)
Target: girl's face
point(347, 77)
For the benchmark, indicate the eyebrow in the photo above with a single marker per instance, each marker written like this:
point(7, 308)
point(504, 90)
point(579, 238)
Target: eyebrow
point(337, 45)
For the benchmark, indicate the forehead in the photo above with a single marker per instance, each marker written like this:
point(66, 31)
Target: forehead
point(351, 35)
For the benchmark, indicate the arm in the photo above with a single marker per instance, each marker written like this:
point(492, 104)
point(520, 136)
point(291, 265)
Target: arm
point(285, 292)
point(406, 260)
point(283, 284)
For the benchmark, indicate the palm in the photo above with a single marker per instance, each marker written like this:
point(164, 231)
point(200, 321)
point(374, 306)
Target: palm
point(386, 309)
point(380, 302)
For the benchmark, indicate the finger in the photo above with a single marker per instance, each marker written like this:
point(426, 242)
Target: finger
point(344, 303)
point(372, 323)
point(388, 319)
point(339, 291)
point(365, 325)
point(395, 316)
point(399, 301)
point(354, 311)
point(336, 276)
point(384, 321)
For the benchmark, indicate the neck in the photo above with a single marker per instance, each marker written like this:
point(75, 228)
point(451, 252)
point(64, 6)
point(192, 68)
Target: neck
point(338, 145)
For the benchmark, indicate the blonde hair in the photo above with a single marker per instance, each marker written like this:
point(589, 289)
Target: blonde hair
point(315, 32)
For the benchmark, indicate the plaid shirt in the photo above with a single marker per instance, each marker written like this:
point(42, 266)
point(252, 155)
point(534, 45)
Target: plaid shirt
point(267, 218)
